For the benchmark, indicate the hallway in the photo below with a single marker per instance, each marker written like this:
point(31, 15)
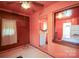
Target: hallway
point(25, 52)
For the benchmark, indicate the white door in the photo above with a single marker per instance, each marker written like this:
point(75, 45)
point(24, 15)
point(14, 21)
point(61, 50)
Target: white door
point(66, 30)
point(42, 38)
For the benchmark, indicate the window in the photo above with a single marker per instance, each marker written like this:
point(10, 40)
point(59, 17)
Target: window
point(9, 33)
point(67, 26)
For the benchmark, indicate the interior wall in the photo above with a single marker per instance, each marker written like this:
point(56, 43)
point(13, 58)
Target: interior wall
point(22, 24)
point(54, 49)
point(59, 22)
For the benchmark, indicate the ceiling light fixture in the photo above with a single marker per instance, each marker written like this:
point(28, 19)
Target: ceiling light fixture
point(60, 15)
point(25, 4)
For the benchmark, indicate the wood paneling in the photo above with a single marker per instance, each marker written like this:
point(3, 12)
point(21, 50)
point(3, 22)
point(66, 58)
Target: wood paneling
point(22, 29)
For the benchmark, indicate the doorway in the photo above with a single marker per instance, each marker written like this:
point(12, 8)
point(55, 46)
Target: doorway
point(43, 34)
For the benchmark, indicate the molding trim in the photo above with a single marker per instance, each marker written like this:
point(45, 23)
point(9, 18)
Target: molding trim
point(14, 12)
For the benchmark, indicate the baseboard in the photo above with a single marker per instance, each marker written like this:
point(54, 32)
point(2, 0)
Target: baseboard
point(21, 46)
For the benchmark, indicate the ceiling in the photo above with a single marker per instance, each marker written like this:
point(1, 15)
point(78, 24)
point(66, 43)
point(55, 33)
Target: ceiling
point(46, 3)
point(15, 6)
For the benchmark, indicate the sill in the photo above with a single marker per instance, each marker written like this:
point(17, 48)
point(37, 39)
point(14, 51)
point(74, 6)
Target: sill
point(73, 45)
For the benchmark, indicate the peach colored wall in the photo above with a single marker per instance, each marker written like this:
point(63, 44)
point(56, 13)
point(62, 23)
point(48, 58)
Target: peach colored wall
point(54, 49)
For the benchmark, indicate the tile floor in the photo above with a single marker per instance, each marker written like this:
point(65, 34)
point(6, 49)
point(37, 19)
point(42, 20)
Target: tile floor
point(25, 52)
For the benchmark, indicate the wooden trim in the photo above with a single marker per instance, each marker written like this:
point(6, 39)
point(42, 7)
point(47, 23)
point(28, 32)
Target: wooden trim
point(4, 51)
point(13, 12)
point(0, 30)
point(68, 44)
point(67, 8)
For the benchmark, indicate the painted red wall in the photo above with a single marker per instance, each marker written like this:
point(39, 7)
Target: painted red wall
point(22, 29)
point(59, 22)
point(52, 48)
